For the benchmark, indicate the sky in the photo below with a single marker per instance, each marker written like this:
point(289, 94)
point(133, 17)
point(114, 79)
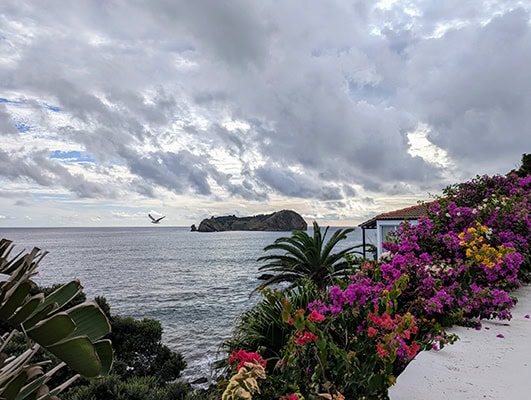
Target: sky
point(339, 110)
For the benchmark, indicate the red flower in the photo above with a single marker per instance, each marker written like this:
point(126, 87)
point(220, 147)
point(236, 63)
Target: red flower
point(381, 351)
point(372, 331)
point(242, 356)
point(316, 317)
point(293, 396)
point(305, 337)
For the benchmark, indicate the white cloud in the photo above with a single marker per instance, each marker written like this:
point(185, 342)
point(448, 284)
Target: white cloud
point(213, 105)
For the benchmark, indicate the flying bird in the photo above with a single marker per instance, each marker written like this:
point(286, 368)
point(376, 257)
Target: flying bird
point(155, 220)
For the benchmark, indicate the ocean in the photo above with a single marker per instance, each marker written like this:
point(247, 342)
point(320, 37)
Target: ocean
point(195, 284)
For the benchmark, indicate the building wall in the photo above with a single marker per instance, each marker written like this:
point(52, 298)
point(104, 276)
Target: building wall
point(385, 226)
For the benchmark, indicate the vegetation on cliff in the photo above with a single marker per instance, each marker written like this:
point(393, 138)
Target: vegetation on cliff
point(285, 220)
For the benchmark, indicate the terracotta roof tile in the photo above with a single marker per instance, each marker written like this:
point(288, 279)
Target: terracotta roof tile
point(413, 212)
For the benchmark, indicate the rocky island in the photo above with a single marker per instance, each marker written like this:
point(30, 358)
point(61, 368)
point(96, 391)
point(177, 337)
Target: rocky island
point(285, 220)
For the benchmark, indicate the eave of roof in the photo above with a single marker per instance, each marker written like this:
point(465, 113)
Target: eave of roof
point(408, 213)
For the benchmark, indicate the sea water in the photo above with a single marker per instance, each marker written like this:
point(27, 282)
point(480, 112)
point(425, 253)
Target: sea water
point(196, 284)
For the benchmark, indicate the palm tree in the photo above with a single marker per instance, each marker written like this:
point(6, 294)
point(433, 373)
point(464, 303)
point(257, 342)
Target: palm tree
point(309, 257)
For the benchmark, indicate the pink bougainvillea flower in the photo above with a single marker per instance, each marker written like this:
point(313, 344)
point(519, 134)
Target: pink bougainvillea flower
point(242, 356)
point(371, 331)
point(500, 335)
point(305, 337)
point(293, 396)
point(527, 316)
point(315, 316)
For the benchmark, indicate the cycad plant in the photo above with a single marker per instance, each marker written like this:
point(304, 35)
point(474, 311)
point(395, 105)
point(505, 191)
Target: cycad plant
point(302, 256)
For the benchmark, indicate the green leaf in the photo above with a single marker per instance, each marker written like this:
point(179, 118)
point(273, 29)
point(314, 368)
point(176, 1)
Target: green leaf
point(90, 321)
point(62, 295)
point(32, 387)
point(11, 390)
point(105, 354)
point(15, 300)
point(52, 330)
point(36, 317)
point(80, 355)
point(26, 310)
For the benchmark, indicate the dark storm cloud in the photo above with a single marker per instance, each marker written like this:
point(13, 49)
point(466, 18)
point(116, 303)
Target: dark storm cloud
point(329, 90)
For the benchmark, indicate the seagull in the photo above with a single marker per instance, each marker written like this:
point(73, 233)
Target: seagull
point(155, 220)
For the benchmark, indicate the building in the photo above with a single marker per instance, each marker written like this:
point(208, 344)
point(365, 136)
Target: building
point(389, 221)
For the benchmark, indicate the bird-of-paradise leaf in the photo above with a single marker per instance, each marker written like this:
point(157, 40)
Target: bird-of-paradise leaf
point(105, 354)
point(89, 319)
point(14, 386)
point(79, 354)
point(26, 310)
point(14, 300)
point(52, 330)
point(73, 335)
point(61, 296)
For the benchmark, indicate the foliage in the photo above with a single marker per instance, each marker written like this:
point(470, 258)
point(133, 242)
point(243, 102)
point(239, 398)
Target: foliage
point(261, 328)
point(142, 363)
point(525, 167)
point(135, 388)
point(304, 256)
point(139, 351)
point(352, 338)
point(73, 335)
point(249, 367)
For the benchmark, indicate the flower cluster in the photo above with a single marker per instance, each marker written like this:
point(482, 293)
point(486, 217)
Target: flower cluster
point(394, 335)
point(480, 252)
point(293, 396)
point(244, 384)
point(241, 357)
point(305, 337)
point(458, 264)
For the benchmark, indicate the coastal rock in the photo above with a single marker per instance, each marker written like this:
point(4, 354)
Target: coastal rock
point(285, 220)
point(193, 228)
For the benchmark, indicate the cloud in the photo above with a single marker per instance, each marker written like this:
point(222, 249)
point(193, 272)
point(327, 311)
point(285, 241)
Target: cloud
point(6, 123)
point(261, 101)
point(45, 172)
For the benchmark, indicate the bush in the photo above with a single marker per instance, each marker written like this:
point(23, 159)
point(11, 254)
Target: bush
point(135, 388)
point(353, 339)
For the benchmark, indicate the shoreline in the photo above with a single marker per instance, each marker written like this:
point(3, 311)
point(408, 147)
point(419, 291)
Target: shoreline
point(491, 363)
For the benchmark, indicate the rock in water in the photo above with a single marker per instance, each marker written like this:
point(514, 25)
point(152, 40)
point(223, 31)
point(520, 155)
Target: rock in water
point(285, 220)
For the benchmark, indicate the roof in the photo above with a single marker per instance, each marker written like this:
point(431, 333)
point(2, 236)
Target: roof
point(414, 212)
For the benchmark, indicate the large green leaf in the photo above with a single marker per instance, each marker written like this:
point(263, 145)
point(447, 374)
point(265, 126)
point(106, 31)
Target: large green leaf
point(61, 296)
point(105, 354)
point(10, 391)
point(36, 317)
point(52, 330)
point(72, 335)
point(14, 299)
point(80, 355)
point(26, 310)
point(89, 320)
